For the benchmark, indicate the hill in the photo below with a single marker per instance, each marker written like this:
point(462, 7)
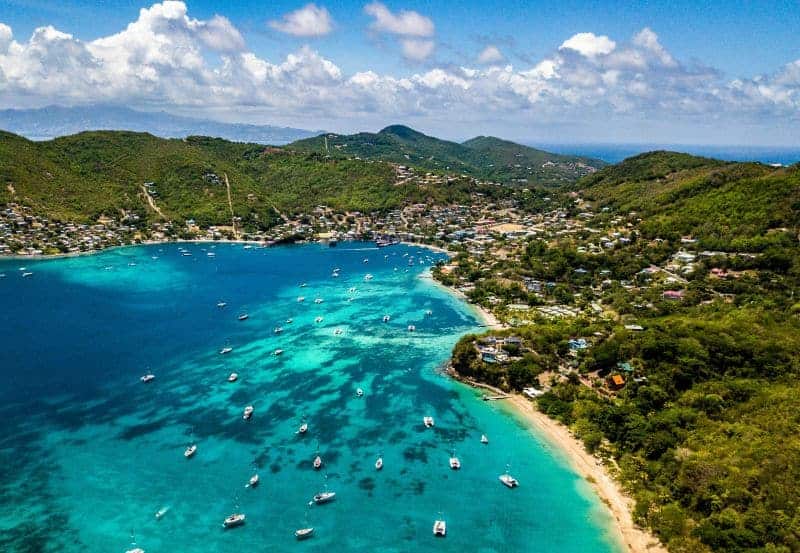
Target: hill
point(81, 177)
point(482, 157)
point(54, 121)
point(724, 205)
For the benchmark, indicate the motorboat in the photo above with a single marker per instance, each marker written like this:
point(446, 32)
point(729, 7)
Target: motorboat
point(221, 304)
point(303, 428)
point(386, 318)
point(226, 349)
point(412, 328)
point(232, 377)
point(190, 451)
point(289, 321)
point(509, 480)
point(253, 482)
point(236, 519)
point(317, 462)
point(277, 351)
point(27, 274)
point(278, 329)
point(161, 512)
point(484, 439)
point(440, 528)
point(368, 277)
point(324, 497)
point(379, 463)
point(359, 392)
point(318, 300)
point(428, 421)
point(243, 317)
point(303, 533)
point(248, 412)
point(455, 464)
point(301, 299)
point(147, 378)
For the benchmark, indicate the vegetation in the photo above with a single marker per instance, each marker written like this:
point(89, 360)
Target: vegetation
point(483, 157)
point(703, 432)
point(85, 176)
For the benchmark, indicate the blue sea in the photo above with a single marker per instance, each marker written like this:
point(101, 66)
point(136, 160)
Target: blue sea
point(89, 453)
point(614, 153)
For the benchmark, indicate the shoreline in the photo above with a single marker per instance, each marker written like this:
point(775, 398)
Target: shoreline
point(630, 536)
point(486, 317)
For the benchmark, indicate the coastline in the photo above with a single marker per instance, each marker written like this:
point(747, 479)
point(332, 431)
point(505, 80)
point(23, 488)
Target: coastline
point(633, 538)
point(487, 318)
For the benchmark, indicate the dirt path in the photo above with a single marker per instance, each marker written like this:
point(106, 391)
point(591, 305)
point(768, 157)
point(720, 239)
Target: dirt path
point(230, 206)
point(151, 202)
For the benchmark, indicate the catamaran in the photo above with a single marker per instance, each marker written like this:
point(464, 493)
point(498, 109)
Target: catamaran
point(236, 519)
point(484, 439)
point(386, 318)
point(440, 528)
point(509, 480)
point(412, 328)
point(303, 428)
point(359, 392)
point(428, 422)
point(455, 464)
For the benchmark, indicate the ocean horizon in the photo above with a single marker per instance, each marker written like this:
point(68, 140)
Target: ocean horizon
point(90, 454)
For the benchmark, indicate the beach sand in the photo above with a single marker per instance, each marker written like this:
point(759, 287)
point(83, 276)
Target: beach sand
point(631, 536)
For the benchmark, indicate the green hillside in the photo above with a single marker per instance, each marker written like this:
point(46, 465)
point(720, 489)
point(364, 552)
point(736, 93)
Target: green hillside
point(703, 431)
point(83, 176)
point(482, 157)
point(726, 206)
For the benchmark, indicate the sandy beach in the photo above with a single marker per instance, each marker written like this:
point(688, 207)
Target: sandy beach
point(631, 536)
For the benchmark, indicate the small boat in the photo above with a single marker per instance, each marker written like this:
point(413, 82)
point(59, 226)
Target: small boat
point(368, 277)
point(455, 464)
point(135, 550)
point(386, 318)
point(303, 428)
point(509, 480)
point(318, 320)
point(440, 528)
point(335, 274)
point(226, 349)
point(359, 392)
point(317, 462)
point(303, 285)
point(190, 451)
point(243, 317)
point(147, 378)
point(278, 329)
point(289, 321)
point(301, 299)
point(318, 300)
point(484, 439)
point(412, 328)
point(27, 274)
point(351, 290)
point(248, 412)
point(221, 304)
point(236, 519)
point(428, 313)
point(253, 482)
point(324, 497)
point(428, 421)
point(248, 247)
point(303, 533)
point(161, 512)
point(338, 332)
point(379, 463)
point(232, 377)
point(277, 351)
point(187, 254)
point(211, 254)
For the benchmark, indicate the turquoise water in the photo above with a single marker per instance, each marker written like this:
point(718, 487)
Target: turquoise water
point(88, 453)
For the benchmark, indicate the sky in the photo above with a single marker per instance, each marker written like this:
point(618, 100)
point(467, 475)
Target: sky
point(679, 71)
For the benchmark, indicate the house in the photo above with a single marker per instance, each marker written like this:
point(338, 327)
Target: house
point(673, 294)
point(615, 381)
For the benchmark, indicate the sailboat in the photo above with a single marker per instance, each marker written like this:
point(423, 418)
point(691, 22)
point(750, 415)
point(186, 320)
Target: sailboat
point(440, 527)
point(306, 532)
point(455, 464)
point(508, 480)
point(379, 463)
point(235, 519)
point(135, 549)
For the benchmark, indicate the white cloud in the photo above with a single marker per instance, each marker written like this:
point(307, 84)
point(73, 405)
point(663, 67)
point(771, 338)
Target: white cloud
point(309, 21)
point(169, 59)
point(404, 23)
point(589, 44)
point(417, 50)
point(490, 54)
